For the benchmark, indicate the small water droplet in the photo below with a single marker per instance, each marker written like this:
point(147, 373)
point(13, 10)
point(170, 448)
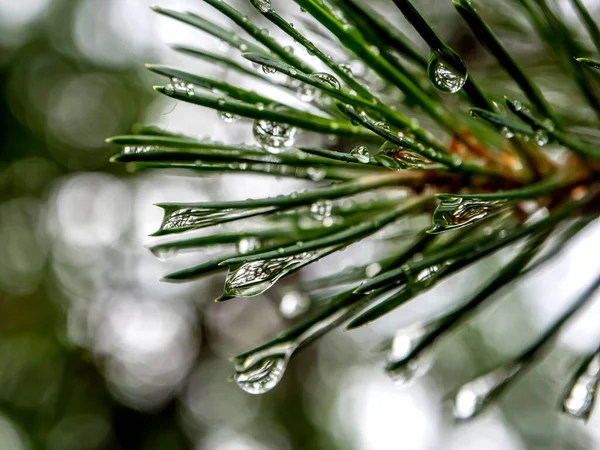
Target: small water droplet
point(541, 137)
point(447, 71)
point(293, 304)
point(457, 212)
point(473, 396)
point(269, 70)
point(130, 149)
point(346, 69)
point(582, 394)
point(248, 244)
point(274, 136)
point(518, 105)
point(289, 49)
point(316, 174)
point(327, 79)
point(307, 93)
point(321, 209)
point(507, 133)
point(227, 116)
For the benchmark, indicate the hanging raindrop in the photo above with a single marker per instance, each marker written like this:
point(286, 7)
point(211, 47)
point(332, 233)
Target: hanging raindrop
point(260, 371)
point(447, 71)
point(582, 394)
point(473, 396)
point(541, 137)
point(327, 79)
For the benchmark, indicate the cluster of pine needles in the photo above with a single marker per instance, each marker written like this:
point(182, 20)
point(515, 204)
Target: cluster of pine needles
point(452, 169)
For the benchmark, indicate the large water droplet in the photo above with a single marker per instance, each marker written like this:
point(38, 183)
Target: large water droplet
point(361, 154)
point(293, 304)
point(580, 399)
point(255, 277)
point(262, 370)
point(269, 70)
point(407, 159)
point(447, 71)
point(457, 212)
point(473, 396)
point(273, 136)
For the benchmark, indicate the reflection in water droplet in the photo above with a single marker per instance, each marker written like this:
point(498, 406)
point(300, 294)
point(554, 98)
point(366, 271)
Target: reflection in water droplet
point(447, 71)
point(321, 209)
point(457, 212)
point(327, 79)
point(293, 304)
point(580, 399)
point(383, 126)
point(473, 396)
point(247, 245)
point(273, 136)
point(255, 277)
point(361, 154)
point(262, 5)
point(227, 116)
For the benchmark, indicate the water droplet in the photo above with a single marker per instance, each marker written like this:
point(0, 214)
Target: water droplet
point(518, 105)
point(316, 174)
point(306, 92)
point(327, 79)
point(372, 269)
point(407, 159)
point(186, 218)
point(383, 126)
point(289, 49)
point(293, 304)
point(269, 70)
point(361, 154)
point(580, 399)
point(321, 209)
point(164, 253)
point(507, 133)
point(262, 370)
point(541, 137)
point(548, 125)
point(346, 69)
point(447, 71)
point(457, 212)
point(402, 366)
point(262, 5)
point(473, 396)
point(130, 149)
point(274, 136)
point(227, 116)
point(248, 244)
point(255, 277)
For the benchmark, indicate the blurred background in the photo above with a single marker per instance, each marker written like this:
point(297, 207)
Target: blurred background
point(97, 353)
